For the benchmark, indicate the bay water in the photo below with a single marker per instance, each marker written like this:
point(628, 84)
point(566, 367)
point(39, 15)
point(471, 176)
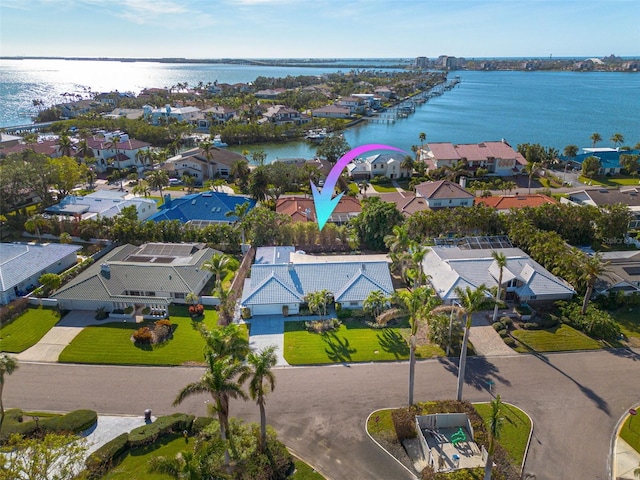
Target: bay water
point(554, 109)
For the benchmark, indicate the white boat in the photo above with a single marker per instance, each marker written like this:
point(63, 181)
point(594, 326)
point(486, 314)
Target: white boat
point(217, 142)
point(316, 135)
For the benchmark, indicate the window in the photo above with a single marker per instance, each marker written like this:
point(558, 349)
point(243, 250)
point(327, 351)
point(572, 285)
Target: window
point(353, 304)
point(149, 294)
point(178, 295)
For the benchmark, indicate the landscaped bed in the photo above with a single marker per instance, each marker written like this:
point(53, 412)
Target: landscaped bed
point(353, 341)
point(27, 330)
point(111, 343)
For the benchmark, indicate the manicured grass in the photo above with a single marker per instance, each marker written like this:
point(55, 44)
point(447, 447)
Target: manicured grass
point(629, 321)
point(304, 472)
point(26, 330)
point(383, 188)
point(609, 181)
point(111, 343)
point(630, 432)
point(515, 429)
point(352, 342)
point(353, 188)
point(560, 338)
point(135, 464)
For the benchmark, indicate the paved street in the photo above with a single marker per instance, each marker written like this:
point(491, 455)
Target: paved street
point(575, 400)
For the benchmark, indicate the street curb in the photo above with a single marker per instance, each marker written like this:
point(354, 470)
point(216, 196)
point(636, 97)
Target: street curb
point(299, 457)
point(611, 463)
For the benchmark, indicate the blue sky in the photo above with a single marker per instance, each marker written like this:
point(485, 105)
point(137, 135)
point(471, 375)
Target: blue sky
point(319, 28)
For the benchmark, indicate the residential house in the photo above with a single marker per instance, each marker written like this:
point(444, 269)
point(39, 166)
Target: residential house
point(152, 275)
point(129, 113)
point(498, 158)
point(504, 203)
point(220, 114)
point(45, 146)
point(603, 197)
point(22, 264)
point(269, 94)
point(302, 209)
point(331, 111)
point(194, 163)
point(277, 282)
point(385, 92)
point(407, 203)
point(104, 152)
point(384, 164)
point(159, 116)
point(523, 279)
point(77, 108)
point(609, 158)
point(201, 209)
point(356, 105)
point(622, 275)
point(281, 115)
point(102, 204)
point(444, 194)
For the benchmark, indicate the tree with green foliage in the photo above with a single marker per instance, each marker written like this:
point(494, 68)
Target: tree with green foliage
point(67, 174)
point(318, 301)
point(617, 139)
point(500, 260)
point(8, 365)
point(240, 171)
point(112, 143)
point(376, 221)
point(157, 179)
point(264, 226)
point(590, 167)
point(207, 149)
point(570, 151)
point(64, 145)
point(51, 281)
point(495, 423)
point(259, 157)
point(217, 264)
point(240, 211)
point(54, 457)
point(375, 303)
point(592, 268)
point(630, 163)
point(418, 303)
point(259, 184)
point(531, 169)
point(595, 139)
point(226, 342)
point(35, 224)
point(457, 170)
point(261, 381)
point(333, 147)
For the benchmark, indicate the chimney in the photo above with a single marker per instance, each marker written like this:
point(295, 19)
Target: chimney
point(463, 182)
point(167, 200)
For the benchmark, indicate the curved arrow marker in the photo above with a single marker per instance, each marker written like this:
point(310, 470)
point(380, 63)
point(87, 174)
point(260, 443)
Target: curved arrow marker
point(323, 202)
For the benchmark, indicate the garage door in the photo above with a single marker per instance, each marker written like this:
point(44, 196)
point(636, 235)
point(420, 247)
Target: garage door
point(275, 309)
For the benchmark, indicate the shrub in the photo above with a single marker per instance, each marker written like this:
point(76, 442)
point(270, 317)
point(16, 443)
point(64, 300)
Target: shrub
point(196, 310)
point(73, 422)
point(594, 322)
point(200, 423)
point(531, 326)
point(343, 314)
point(146, 311)
point(498, 326)
point(509, 342)
point(404, 423)
point(100, 461)
point(128, 310)
point(338, 306)
point(321, 326)
point(142, 336)
point(358, 313)
point(13, 310)
point(148, 434)
point(506, 321)
point(101, 313)
point(503, 333)
point(246, 313)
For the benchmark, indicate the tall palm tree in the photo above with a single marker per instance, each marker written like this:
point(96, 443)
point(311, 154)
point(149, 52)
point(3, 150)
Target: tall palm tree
point(422, 137)
point(457, 170)
point(501, 261)
point(496, 421)
point(221, 381)
point(592, 268)
point(207, 150)
point(470, 301)
point(226, 342)
point(240, 171)
point(113, 144)
point(570, 151)
point(35, 225)
point(8, 365)
point(417, 303)
point(218, 266)
point(262, 381)
point(64, 145)
point(158, 179)
point(595, 138)
point(617, 139)
point(407, 164)
point(531, 168)
point(83, 150)
point(418, 252)
point(240, 211)
point(374, 303)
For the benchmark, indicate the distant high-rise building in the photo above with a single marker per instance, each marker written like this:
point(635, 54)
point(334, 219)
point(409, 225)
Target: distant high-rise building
point(421, 62)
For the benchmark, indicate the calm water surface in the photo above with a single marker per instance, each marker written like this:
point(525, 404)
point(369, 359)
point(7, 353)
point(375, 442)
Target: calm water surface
point(551, 108)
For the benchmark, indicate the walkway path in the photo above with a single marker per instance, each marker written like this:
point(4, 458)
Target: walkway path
point(486, 341)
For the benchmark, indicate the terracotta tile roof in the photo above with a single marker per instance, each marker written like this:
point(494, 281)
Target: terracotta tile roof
point(475, 151)
point(46, 147)
point(515, 201)
point(296, 207)
point(442, 189)
point(406, 203)
point(104, 144)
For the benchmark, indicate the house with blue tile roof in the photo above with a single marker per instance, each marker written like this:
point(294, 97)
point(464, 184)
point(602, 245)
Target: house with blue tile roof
point(276, 281)
point(22, 264)
point(609, 158)
point(202, 208)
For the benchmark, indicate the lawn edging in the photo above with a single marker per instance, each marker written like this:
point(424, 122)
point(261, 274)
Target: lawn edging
point(299, 457)
point(366, 422)
point(613, 444)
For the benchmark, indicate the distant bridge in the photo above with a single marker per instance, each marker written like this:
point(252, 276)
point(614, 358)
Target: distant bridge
point(28, 128)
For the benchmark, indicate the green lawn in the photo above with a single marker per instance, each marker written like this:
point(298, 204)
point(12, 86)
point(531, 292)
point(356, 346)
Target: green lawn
point(630, 432)
point(304, 472)
point(353, 188)
point(352, 342)
point(560, 338)
point(609, 181)
point(515, 429)
point(629, 321)
point(26, 330)
point(383, 188)
point(111, 343)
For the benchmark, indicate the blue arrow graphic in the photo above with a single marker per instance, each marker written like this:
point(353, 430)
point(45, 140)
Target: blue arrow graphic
point(324, 204)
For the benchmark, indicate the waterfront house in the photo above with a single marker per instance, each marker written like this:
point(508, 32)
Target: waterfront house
point(127, 148)
point(160, 116)
point(609, 158)
point(269, 94)
point(101, 204)
point(194, 163)
point(504, 203)
point(281, 115)
point(356, 105)
point(22, 264)
point(302, 209)
point(150, 276)
point(383, 164)
point(220, 114)
point(523, 279)
point(280, 279)
point(201, 209)
point(444, 194)
point(45, 146)
point(331, 111)
point(498, 158)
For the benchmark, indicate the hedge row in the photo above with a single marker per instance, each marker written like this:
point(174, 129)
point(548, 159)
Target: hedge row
point(100, 461)
point(149, 433)
point(72, 422)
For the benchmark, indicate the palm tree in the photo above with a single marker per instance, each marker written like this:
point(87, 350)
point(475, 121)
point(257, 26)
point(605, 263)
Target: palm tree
point(457, 170)
point(8, 365)
point(416, 303)
point(113, 143)
point(220, 380)
point(407, 164)
point(470, 301)
point(240, 171)
point(531, 168)
point(83, 150)
point(207, 150)
point(617, 139)
point(374, 303)
point(418, 252)
point(35, 225)
point(262, 381)
point(570, 151)
point(226, 342)
point(422, 137)
point(363, 185)
point(595, 138)
point(142, 188)
point(495, 428)
point(158, 179)
point(188, 465)
point(240, 211)
point(501, 261)
point(218, 266)
point(64, 145)
point(592, 267)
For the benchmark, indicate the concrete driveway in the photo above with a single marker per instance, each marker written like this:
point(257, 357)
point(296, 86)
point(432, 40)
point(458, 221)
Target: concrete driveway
point(267, 330)
point(50, 346)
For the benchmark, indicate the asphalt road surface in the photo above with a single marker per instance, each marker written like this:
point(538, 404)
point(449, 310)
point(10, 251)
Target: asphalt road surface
point(575, 400)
